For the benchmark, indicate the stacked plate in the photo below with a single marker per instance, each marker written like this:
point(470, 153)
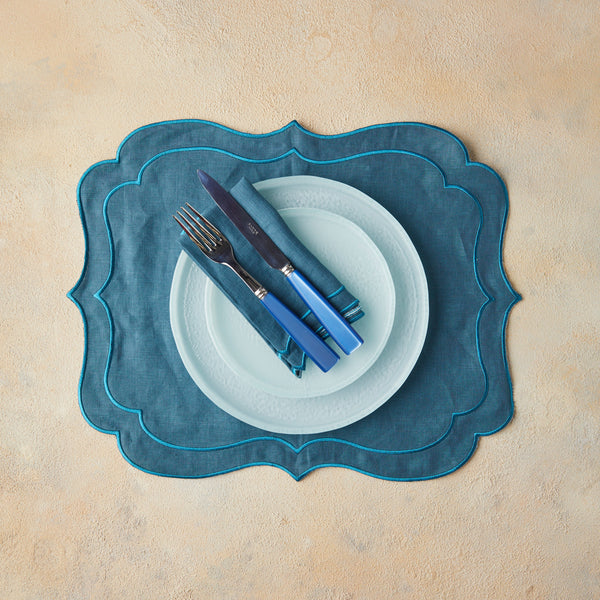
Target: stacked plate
point(376, 260)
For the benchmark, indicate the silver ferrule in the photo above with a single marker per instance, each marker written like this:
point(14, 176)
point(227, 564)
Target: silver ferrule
point(260, 293)
point(288, 269)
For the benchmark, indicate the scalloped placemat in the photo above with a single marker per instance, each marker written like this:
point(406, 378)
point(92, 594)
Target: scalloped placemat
point(133, 384)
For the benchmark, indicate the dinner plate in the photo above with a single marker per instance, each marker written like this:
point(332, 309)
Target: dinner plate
point(352, 256)
point(317, 413)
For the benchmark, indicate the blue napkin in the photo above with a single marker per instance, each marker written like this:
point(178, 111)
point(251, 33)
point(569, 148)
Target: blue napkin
point(238, 293)
point(133, 384)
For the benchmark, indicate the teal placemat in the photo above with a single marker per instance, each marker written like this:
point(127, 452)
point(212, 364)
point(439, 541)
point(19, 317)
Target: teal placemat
point(133, 383)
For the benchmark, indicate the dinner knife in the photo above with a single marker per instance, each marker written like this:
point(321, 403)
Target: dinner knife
point(339, 329)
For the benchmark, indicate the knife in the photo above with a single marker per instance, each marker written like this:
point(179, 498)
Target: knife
point(339, 329)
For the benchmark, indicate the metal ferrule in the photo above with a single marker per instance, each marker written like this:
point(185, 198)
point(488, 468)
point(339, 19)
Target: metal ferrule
point(260, 293)
point(288, 269)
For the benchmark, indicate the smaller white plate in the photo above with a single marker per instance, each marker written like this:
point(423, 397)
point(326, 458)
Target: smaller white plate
point(345, 250)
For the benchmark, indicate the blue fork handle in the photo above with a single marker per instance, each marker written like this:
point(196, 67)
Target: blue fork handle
point(314, 346)
point(339, 329)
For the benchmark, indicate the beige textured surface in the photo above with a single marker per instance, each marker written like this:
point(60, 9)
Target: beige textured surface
point(519, 82)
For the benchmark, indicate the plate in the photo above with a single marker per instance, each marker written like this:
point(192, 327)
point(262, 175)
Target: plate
point(352, 256)
point(318, 413)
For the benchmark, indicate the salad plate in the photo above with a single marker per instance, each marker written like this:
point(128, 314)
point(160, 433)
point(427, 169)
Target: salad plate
point(349, 253)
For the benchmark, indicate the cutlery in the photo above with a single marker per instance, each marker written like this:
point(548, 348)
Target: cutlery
point(217, 247)
point(339, 329)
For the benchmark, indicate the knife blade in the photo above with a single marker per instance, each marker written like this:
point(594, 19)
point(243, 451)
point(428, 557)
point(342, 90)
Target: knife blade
point(339, 329)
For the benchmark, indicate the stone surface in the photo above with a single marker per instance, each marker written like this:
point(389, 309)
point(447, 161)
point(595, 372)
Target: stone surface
point(518, 82)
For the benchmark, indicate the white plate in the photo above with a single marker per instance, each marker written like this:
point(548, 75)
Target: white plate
point(356, 261)
point(311, 414)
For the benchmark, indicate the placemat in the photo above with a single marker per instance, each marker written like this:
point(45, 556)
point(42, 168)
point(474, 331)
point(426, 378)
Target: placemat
point(133, 384)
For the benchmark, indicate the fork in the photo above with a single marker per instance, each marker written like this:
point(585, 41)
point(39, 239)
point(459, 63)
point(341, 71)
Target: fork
point(217, 248)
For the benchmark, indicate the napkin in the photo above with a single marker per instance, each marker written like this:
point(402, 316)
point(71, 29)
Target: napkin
point(239, 294)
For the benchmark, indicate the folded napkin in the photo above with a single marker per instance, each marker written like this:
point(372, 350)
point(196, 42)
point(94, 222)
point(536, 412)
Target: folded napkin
point(239, 294)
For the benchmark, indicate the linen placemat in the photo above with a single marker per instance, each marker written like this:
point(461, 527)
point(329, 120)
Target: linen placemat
point(133, 383)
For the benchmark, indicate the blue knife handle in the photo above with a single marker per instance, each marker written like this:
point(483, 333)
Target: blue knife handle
point(339, 329)
point(314, 346)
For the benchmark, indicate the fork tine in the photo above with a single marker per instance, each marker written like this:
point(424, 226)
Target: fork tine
point(184, 227)
point(193, 209)
point(208, 224)
point(196, 228)
point(208, 237)
point(192, 231)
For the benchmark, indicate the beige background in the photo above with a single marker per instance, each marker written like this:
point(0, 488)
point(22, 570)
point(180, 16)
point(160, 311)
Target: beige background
point(519, 82)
